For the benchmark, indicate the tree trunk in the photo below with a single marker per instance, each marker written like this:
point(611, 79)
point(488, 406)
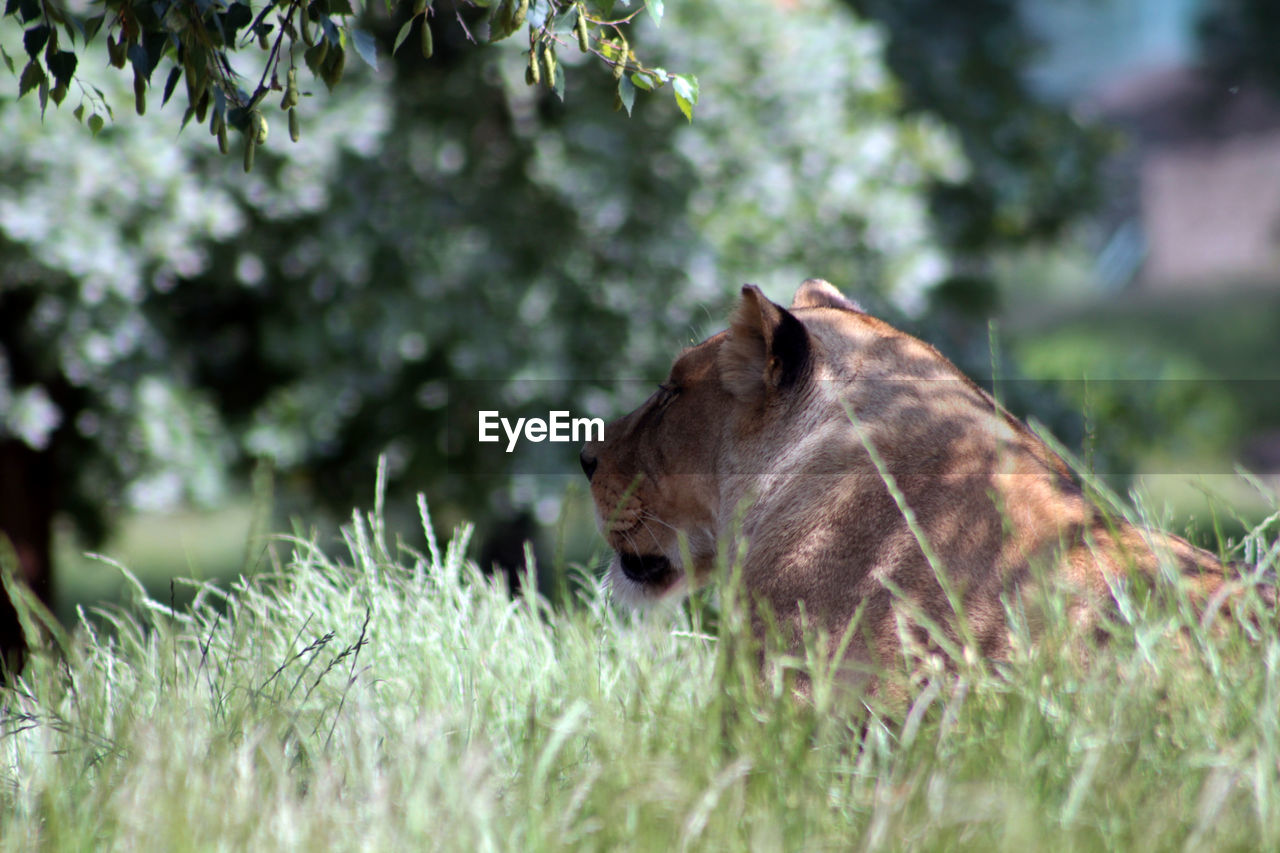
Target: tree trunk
point(26, 519)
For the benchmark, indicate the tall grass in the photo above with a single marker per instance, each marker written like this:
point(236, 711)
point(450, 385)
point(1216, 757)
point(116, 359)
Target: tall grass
point(396, 700)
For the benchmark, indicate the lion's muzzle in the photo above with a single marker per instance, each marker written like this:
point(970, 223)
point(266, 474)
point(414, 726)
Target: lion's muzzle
point(645, 569)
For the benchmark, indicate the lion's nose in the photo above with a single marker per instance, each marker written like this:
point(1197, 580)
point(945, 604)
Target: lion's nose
point(589, 462)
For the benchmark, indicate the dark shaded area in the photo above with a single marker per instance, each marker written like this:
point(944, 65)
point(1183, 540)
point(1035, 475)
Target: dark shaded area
point(1034, 166)
point(1238, 38)
point(37, 483)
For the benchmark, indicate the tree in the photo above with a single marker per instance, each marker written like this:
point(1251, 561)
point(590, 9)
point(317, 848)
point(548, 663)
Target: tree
point(204, 45)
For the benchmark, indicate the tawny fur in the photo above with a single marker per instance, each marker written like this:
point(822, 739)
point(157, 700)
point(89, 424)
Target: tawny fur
point(767, 427)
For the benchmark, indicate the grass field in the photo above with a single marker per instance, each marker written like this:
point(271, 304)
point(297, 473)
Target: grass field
point(392, 699)
point(203, 545)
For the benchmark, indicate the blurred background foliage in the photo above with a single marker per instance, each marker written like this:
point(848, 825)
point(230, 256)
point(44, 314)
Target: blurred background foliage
point(444, 235)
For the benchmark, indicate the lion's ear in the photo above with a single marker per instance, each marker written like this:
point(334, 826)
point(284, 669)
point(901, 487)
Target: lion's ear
point(767, 349)
point(817, 293)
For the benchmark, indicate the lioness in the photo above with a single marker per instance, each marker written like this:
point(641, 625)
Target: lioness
point(772, 425)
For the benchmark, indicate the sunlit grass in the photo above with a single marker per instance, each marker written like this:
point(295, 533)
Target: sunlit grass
point(394, 700)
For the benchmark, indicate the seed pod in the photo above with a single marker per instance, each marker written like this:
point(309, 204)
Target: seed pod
point(139, 93)
point(290, 99)
point(249, 146)
point(528, 77)
point(304, 29)
point(580, 30)
point(621, 67)
point(549, 59)
point(202, 106)
point(522, 11)
point(534, 73)
point(294, 131)
point(258, 127)
point(427, 47)
point(223, 145)
point(263, 41)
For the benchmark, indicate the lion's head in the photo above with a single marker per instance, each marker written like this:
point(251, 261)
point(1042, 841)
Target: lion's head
point(679, 465)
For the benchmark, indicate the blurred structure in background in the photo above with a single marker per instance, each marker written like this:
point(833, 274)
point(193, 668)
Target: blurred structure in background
point(1173, 284)
point(1204, 188)
point(1193, 195)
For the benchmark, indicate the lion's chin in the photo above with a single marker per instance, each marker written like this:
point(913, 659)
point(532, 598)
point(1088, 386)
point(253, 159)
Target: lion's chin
point(644, 578)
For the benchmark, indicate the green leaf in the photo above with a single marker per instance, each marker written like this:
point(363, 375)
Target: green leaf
point(33, 75)
point(62, 65)
point(502, 20)
point(315, 56)
point(538, 11)
point(51, 46)
point(174, 76)
point(655, 10)
point(558, 84)
point(237, 16)
point(562, 23)
point(641, 80)
point(331, 33)
point(28, 10)
point(95, 124)
point(612, 50)
point(365, 45)
point(157, 43)
point(8, 60)
point(686, 89)
point(626, 93)
point(405, 29)
point(73, 27)
point(91, 27)
point(334, 62)
point(33, 39)
point(138, 58)
point(78, 112)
